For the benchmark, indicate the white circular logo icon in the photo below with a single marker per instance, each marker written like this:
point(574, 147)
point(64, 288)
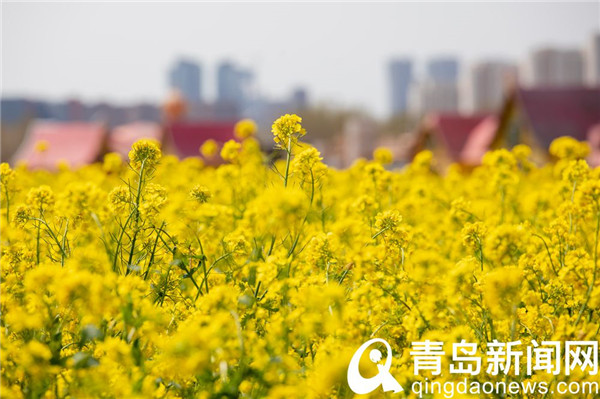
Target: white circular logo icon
point(360, 385)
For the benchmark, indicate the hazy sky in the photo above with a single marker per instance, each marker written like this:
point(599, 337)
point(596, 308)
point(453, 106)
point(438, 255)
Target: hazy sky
point(121, 52)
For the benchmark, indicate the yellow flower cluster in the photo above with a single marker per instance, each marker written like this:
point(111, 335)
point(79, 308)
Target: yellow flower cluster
point(173, 279)
point(42, 146)
point(230, 151)
point(383, 155)
point(287, 130)
point(569, 148)
point(209, 148)
point(144, 152)
point(245, 128)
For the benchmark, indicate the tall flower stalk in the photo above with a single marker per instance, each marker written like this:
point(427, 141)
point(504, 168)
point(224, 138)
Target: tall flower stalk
point(143, 158)
point(286, 132)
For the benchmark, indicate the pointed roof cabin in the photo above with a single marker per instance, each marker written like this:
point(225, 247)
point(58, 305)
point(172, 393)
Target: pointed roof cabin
point(532, 116)
point(446, 135)
point(49, 143)
point(537, 116)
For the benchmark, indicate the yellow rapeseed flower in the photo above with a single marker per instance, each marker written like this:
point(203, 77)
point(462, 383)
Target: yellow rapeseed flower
point(568, 148)
point(42, 146)
point(185, 281)
point(245, 128)
point(112, 162)
point(40, 197)
point(209, 148)
point(231, 151)
point(286, 130)
point(146, 152)
point(200, 193)
point(383, 155)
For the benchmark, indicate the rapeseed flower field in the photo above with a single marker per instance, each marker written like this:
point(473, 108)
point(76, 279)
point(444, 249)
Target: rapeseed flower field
point(166, 278)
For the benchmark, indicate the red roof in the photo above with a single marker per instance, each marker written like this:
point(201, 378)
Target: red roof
point(479, 141)
point(189, 136)
point(556, 112)
point(76, 143)
point(593, 138)
point(454, 130)
point(122, 137)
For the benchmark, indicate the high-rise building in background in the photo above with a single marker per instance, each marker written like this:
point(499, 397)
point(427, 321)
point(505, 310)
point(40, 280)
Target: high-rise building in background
point(438, 97)
point(443, 70)
point(556, 67)
point(488, 84)
point(400, 75)
point(233, 84)
point(439, 91)
point(185, 76)
point(299, 98)
point(264, 110)
point(592, 60)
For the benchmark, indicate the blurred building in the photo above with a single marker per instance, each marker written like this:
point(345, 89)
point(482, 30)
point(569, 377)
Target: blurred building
point(438, 97)
point(122, 137)
point(357, 139)
point(538, 116)
point(265, 110)
point(300, 98)
point(185, 138)
point(71, 143)
point(185, 76)
point(531, 116)
point(15, 110)
point(19, 113)
point(400, 75)
point(592, 60)
point(443, 70)
point(488, 84)
point(439, 92)
point(551, 67)
point(446, 135)
point(143, 112)
point(233, 86)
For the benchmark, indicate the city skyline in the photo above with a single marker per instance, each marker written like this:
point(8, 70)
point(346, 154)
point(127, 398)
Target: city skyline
point(186, 76)
point(340, 56)
point(439, 89)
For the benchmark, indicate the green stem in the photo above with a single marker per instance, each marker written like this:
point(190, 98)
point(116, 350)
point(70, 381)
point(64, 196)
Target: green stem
point(203, 262)
point(164, 293)
point(591, 286)
point(287, 161)
point(64, 243)
point(41, 221)
point(548, 252)
point(205, 274)
point(380, 232)
point(154, 250)
point(191, 276)
point(570, 212)
point(312, 188)
point(7, 205)
point(119, 242)
point(37, 244)
point(102, 235)
point(207, 271)
point(136, 219)
point(480, 252)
